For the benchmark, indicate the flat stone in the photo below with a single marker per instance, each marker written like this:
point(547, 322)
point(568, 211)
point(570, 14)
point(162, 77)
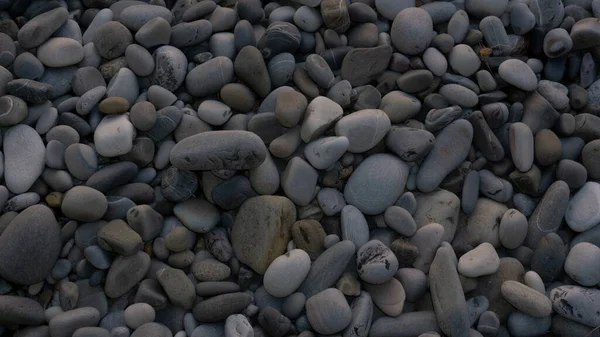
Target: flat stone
point(178, 287)
point(134, 17)
point(410, 144)
point(389, 297)
point(576, 303)
point(299, 181)
point(361, 65)
point(548, 214)
point(232, 150)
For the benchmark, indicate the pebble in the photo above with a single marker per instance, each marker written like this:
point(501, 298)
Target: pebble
point(279, 279)
point(521, 146)
point(373, 193)
point(367, 124)
point(376, 263)
point(449, 306)
point(513, 229)
point(575, 303)
point(412, 31)
point(66, 323)
point(443, 159)
point(361, 65)
point(579, 264)
point(482, 260)
point(139, 314)
point(328, 312)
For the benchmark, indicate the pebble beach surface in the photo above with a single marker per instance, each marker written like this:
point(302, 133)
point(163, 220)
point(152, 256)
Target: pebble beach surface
point(299, 168)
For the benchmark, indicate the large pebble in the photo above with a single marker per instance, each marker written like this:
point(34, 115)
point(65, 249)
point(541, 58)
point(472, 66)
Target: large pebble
point(576, 303)
point(580, 263)
point(268, 220)
point(40, 28)
point(376, 263)
point(60, 52)
point(526, 299)
point(449, 305)
point(412, 31)
point(450, 149)
point(328, 311)
point(285, 274)
point(16, 310)
point(216, 150)
point(24, 157)
point(29, 246)
point(114, 135)
point(208, 78)
point(518, 73)
point(364, 129)
point(582, 212)
point(376, 183)
point(125, 273)
point(482, 260)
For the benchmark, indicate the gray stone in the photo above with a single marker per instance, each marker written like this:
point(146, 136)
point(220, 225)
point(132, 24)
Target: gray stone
point(16, 310)
point(40, 28)
point(361, 65)
point(248, 148)
point(457, 94)
point(155, 32)
point(363, 125)
point(579, 264)
point(444, 158)
point(125, 273)
point(580, 214)
point(152, 330)
point(134, 17)
point(66, 323)
point(376, 263)
point(60, 52)
point(178, 287)
point(518, 74)
point(412, 31)
point(111, 40)
point(24, 158)
point(513, 229)
point(576, 303)
point(410, 144)
point(328, 312)
point(449, 305)
point(285, 274)
point(320, 114)
point(373, 192)
point(548, 214)
point(327, 268)
point(209, 77)
point(84, 203)
point(220, 307)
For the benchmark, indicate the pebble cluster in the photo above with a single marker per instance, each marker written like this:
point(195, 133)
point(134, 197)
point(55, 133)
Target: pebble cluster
point(238, 168)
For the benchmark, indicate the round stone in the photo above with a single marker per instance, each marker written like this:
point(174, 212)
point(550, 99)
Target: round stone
point(412, 31)
point(84, 203)
point(580, 264)
point(376, 183)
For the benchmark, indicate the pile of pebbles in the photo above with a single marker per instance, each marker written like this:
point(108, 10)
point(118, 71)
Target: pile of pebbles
point(238, 168)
